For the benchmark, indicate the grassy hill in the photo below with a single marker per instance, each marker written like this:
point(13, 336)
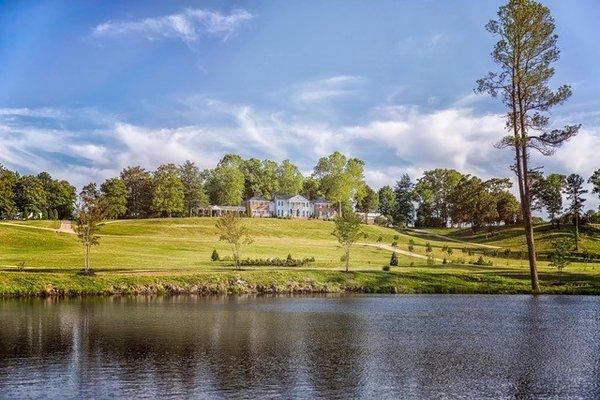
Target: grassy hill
point(171, 255)
point(512, 237)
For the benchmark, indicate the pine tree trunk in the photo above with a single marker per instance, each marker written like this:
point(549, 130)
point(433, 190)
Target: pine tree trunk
point(522, 162)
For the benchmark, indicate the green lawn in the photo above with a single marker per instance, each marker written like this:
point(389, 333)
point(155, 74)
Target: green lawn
point(160, 255)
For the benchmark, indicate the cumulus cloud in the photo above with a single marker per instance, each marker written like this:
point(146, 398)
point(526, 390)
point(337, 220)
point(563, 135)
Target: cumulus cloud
point(395, 140)
point(188, 26)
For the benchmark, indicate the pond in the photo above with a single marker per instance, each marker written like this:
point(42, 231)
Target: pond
point(422, 346)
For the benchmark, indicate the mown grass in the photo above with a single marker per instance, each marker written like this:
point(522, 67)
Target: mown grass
point(172, 255)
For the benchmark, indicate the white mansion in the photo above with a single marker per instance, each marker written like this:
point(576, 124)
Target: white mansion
point(295, 206)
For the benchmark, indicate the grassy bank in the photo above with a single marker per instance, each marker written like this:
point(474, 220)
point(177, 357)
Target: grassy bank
point(440, 279)
point(173, 256)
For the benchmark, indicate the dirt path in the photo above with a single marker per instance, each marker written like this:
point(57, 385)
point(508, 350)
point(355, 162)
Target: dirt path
point(66, 227)
point(397, 250)
point(489, 246)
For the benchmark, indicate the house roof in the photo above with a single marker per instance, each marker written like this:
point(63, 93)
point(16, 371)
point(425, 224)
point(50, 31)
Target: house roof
point(321, 200)
point(287, 197)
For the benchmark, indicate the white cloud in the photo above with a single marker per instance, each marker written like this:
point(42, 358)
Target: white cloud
point(396, 140)
point(327, 88)
point(188, 26)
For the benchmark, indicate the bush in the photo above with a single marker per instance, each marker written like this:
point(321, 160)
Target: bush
point(450, 251)
point(428, 247)
point(444, 261)
point(411, 248)
point(380, 239)
point(394, 244)
point(481, 261)
point(396, 237)
point(214, 256)
point(289, 257)
point(276, 262)
point(394, 259)
point(386, 268)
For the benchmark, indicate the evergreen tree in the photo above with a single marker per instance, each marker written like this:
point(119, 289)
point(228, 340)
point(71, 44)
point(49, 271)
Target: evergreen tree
point(525, 51)
point(404, 209)
point(574, 191)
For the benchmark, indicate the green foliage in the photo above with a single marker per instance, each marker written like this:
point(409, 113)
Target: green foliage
point(115, 195)
point(290, 179)
point(387, 202)
point(168, 195)
point(559, 257)
point(232, 230)
point(348, 229)
point(194, 195)
point(87, 225)
point(394, 259)
point(403, 209)
point(138, 182)
point(340, 178)
point(215, 255)
point(370, 201)
point(226, 185)
point(386, 268)
point(428, 247)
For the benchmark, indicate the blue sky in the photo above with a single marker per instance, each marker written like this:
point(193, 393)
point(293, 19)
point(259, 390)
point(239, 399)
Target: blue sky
point(90, 87)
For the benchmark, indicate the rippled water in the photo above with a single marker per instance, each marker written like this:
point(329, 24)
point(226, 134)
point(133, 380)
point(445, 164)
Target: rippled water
point(302, 347)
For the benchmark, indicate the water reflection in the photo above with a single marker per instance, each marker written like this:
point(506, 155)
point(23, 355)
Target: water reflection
point(303, 347)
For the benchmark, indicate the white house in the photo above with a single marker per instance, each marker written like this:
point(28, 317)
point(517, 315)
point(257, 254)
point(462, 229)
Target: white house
point(296, 206)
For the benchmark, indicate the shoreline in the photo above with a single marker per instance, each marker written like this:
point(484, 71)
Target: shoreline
point(24, 284)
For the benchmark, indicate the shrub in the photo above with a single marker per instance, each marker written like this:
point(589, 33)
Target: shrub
point(214, 256)
point(44, 214)
point(394, 244)
point(444, 261)
point(411, 248)
point(394, 259)
point(396, 237)
point(277, 262)
point(380, 239)
point(386, 268)
point(289, 257)
point(428, 247)
point(450, 251)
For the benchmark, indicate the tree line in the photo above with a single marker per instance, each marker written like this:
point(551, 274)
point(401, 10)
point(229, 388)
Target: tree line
point(445, 197)
point(440, 197)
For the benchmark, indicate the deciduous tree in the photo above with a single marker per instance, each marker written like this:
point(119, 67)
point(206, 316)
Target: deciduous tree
point(348, 230)
point(115, 196)
point(167, 194)
point(139, 185)
point(232, 230)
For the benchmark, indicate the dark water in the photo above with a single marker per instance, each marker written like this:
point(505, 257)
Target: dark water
point(452, 347)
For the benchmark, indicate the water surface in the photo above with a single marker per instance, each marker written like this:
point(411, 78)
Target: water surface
point(302, 347)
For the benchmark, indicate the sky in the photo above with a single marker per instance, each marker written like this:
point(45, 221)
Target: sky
point(88, 88)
